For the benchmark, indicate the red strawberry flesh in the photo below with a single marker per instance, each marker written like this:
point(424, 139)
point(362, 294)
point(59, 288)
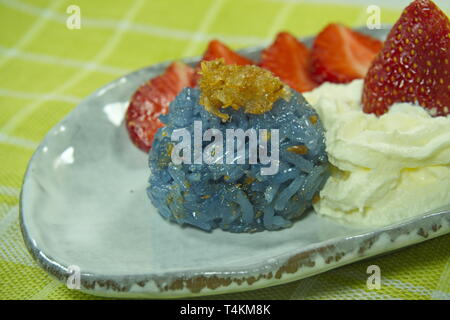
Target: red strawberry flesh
point(414, 63)
point(289, 59)
point(152, 99)
point(217, 49)
point(340, 54)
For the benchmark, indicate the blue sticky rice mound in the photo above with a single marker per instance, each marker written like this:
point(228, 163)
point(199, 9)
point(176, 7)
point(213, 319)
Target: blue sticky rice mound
point(236, 197)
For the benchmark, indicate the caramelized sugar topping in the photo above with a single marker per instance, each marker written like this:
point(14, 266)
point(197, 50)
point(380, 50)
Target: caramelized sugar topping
point(249, 87)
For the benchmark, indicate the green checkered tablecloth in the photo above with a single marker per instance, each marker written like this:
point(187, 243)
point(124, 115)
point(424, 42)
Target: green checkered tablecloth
point(47, 68)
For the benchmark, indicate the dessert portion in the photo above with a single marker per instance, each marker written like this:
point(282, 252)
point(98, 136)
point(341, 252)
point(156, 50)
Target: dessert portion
point(248, 193)
point(339, 54)
point(388, 136)
point(384, 108)
point(250, 88)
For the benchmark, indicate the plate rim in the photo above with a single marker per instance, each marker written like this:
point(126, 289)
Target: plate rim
point(194, 283)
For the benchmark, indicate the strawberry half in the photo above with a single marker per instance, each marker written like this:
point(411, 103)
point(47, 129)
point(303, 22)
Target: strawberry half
point(414, 63)
point(152, 99)
point(340, 54)
point(289, 59)
point(217, 49)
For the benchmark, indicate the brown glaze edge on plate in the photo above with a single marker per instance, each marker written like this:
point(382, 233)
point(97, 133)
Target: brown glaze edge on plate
point(295, 266)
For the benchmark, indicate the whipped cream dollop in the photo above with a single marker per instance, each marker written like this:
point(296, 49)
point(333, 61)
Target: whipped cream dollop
point(384, 169)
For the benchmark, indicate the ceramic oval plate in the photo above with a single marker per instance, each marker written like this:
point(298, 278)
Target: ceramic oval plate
point(84, 211)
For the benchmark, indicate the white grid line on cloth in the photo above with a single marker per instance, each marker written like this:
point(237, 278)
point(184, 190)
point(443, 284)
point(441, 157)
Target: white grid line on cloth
point(14, 251)
point(32, 31)
point(406, 286)
point(43, 96)
point(148, 29)
point(320, 285)
point(54, 60)
point(363, 294)
point(9, 191)
point(18, 142)
point(208, 18)
point(280, 18)
point(24, 112)
point(4, 208)
point(10, 217)
point(388, 282)
point(442, 290)
point(46, 290)
point(12, 248)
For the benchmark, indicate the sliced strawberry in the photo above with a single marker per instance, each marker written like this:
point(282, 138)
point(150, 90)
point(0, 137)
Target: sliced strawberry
point(414, 63)
point(217, 49)
point(340, 54)
point(152, 99)
point(289, 59)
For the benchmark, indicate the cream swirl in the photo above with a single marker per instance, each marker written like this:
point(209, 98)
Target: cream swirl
point(386, 168)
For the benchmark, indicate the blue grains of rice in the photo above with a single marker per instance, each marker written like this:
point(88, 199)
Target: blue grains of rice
point(236, 197)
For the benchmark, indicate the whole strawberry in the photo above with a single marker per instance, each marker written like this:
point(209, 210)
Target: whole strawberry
point(413, 65)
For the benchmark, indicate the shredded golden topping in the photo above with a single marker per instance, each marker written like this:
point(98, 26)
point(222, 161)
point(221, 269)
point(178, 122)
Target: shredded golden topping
point(316, 198)
point(249, 87)
point(249, 180)
point(298, 149)
point(313, 119)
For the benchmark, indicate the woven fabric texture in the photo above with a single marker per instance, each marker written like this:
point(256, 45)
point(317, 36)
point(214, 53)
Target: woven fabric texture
point(46, 68)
